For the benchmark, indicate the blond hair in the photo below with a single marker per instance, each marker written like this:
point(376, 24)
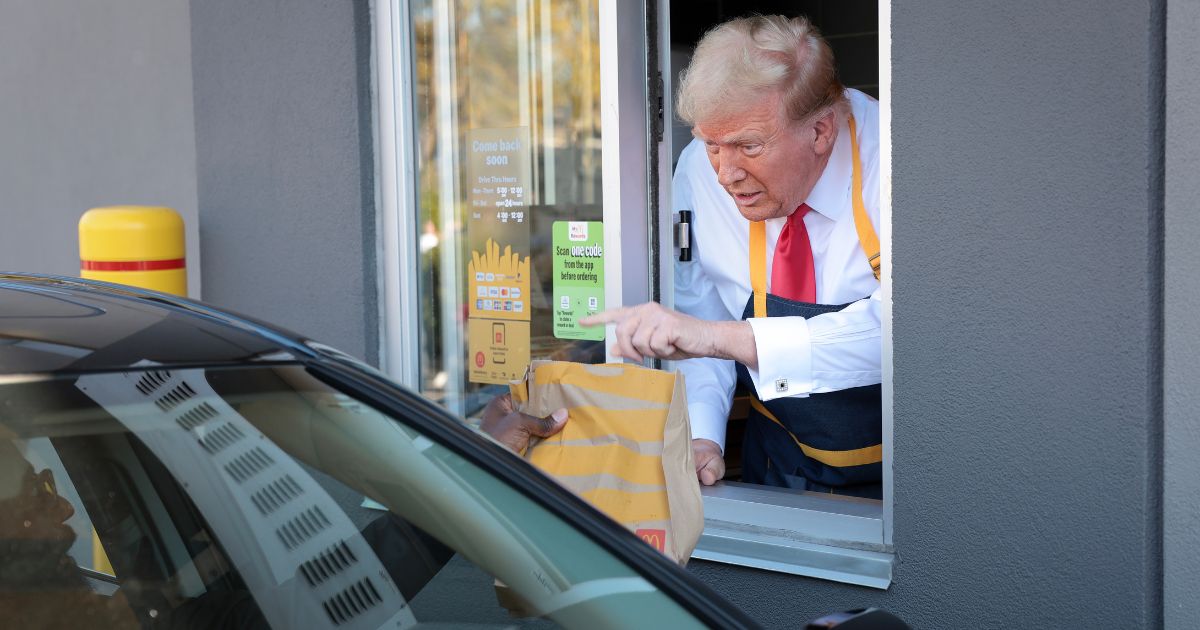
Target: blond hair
point(739, 61)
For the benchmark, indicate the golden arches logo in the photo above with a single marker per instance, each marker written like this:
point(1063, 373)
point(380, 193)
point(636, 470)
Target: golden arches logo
point(656, 538)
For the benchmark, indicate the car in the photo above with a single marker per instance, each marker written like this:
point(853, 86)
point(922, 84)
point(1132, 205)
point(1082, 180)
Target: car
point(165, 464)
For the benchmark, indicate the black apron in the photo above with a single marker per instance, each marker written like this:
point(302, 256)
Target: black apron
point(841, 431)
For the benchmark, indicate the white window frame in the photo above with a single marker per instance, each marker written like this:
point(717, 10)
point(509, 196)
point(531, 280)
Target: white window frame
point(395, 195)
point(624, 155)
point(835, 538)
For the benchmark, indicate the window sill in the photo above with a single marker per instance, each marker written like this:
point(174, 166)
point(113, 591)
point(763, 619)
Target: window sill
point(801, 533)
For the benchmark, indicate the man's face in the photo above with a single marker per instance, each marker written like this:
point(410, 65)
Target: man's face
point(766, 162)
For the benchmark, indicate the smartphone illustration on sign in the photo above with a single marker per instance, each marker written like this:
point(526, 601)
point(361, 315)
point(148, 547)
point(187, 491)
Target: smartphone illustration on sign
point(499, 352)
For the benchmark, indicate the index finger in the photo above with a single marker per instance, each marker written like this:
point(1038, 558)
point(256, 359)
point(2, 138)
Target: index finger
point(604, 317)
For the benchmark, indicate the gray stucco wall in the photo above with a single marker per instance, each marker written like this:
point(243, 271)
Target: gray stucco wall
point(1181, 477)
point(1027, 291)
point(96, 111)
point(1028, 287)
point(284, 159)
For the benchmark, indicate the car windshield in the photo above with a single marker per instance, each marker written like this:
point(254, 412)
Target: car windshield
point(263, 497)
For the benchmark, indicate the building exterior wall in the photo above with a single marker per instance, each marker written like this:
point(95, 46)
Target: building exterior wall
point(1181, 344)
point(285, 169)
point(1027, 323)
point(97, 110)
point(1028, 287)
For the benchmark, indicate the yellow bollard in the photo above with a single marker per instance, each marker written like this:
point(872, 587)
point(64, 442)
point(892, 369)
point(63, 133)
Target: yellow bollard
point(140, 246)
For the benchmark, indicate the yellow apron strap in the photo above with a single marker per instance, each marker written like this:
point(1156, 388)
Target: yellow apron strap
point(856, 457)
point(866, 232)
point(758, 266)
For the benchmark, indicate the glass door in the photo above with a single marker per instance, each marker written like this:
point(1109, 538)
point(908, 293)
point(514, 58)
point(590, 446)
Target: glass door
point(505, 199)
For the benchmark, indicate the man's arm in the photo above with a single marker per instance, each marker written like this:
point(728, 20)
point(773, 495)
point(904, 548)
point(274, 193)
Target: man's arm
point(786, 356)
point(652, 330)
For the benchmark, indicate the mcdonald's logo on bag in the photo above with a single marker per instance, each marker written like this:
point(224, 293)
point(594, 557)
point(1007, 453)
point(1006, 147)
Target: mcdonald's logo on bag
point(656, 538)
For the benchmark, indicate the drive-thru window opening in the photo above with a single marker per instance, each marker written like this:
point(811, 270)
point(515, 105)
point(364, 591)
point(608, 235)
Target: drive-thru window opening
point(852, 30)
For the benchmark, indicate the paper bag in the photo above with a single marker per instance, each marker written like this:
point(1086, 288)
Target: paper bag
point(626, 447)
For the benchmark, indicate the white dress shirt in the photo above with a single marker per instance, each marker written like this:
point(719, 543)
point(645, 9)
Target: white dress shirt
point(796, 357)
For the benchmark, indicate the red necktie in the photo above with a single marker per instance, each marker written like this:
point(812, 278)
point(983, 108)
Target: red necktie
point(792, 274)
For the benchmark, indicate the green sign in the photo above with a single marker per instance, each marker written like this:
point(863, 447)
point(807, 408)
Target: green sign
point(578, 277)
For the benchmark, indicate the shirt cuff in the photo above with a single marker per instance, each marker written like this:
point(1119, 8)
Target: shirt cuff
point(708, 422)
point(784, 357)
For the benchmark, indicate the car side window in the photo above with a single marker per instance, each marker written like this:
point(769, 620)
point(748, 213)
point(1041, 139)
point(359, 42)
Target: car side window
point(236, 497)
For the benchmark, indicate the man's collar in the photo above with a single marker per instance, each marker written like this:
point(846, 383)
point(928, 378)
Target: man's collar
point(832, 190)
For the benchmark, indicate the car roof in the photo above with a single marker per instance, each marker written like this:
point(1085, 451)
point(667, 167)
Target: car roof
point(56, 324)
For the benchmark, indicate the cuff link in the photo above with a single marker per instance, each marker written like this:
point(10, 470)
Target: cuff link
point(781, 385)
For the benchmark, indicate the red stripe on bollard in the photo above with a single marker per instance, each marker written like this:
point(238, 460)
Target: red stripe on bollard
point(131, 265)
